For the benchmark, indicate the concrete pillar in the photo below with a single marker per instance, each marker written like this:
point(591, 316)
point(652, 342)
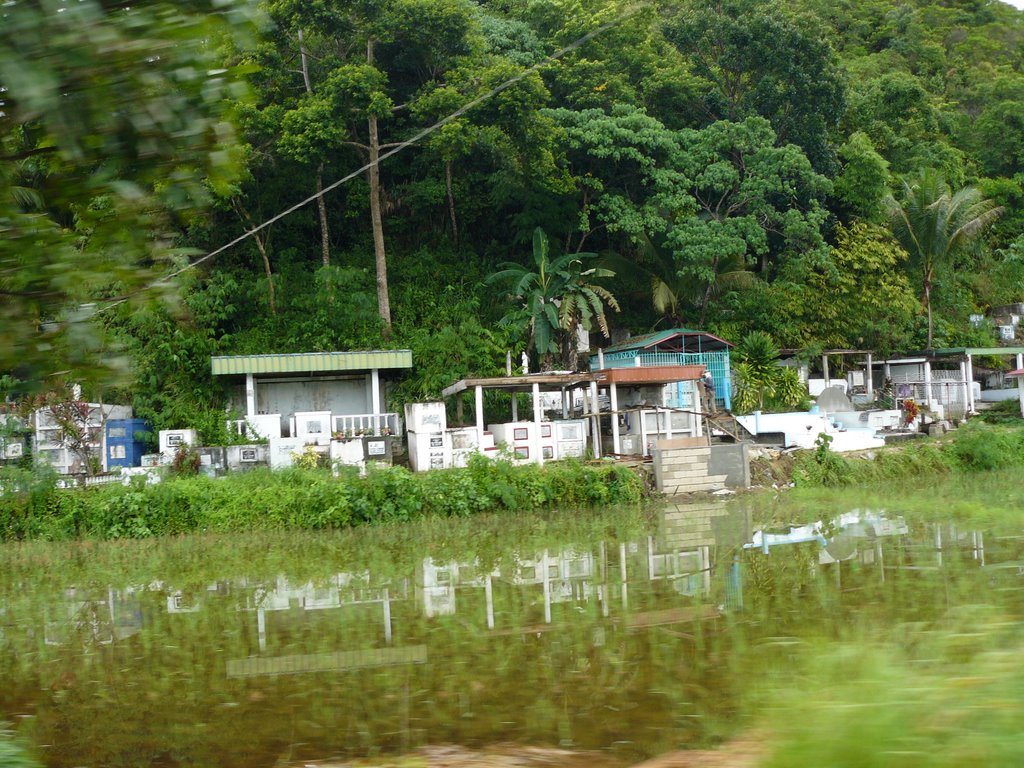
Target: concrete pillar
point(600, 359)
point(250, 395)
point(538, 453)
point(698, 410)
point(595, 421)
point(614, 400)
point(965, 385)
point(928, 383)
point(387, 617)
point(375, 399)
point(565, 404)
point(970, 383)
point(869, 379)
point(261, 627)
point(478, 393)
point(824, 370)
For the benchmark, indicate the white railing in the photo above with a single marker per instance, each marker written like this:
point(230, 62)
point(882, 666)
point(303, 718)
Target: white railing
point(354, 424)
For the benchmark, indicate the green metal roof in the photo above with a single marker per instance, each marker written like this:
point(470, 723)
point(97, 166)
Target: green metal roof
point(981, 351)
point(648, 340)
point(311, 362)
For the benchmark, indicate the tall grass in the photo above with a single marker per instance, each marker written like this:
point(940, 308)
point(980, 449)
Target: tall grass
point(972, 448)
point(307, 499)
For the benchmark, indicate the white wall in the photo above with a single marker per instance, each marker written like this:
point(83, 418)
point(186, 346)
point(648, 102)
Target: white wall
point(339, 396)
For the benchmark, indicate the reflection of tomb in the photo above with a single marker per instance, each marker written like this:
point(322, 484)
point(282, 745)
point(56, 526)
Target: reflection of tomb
point(102, 621)
point(341, 590)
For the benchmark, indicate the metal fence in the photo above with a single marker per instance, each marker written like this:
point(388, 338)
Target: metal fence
point(716, 362)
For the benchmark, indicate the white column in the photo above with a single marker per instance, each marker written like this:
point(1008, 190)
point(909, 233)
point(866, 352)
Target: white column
point(375, 399)
point(698, 410)
point(614, 398)
point(970, 383)
point(869, 381)
point(387, 617)
point(668, 424)
point(261, 627)
point(965, 385)
point(565, 404)
point(250, 395)
point(478, 393)
point(928, 382)
point(600, 359)
point(595, 421)
point(538, 454)
point(824, 369)
point(515, 407)
point(1020, 383)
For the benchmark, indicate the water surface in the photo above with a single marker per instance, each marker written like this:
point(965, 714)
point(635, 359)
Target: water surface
point(623, 631)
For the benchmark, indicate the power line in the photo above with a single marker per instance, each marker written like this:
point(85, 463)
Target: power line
point(390, 153)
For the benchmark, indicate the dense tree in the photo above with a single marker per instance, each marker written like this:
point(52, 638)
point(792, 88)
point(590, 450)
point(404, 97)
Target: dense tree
point(756, 60)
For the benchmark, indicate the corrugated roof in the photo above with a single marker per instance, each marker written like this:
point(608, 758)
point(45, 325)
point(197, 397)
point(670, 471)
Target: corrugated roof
point(647, 340)
point(980, 351)
point(311, 362)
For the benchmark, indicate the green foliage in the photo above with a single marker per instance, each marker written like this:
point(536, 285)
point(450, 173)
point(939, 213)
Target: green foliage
point(863, 301)
point(13, 754)
point(559, 297)
point(972, 448)
point(303, 498)
point(186, 461)
point(756, 60)
point(942, 712)
point(934, 224)
point(103, 154)
point(760, 381)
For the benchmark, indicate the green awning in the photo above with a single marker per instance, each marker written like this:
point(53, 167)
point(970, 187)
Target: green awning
point(311, 362)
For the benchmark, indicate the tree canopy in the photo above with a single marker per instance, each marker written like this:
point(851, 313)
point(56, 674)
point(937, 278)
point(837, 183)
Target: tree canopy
point(737, 162)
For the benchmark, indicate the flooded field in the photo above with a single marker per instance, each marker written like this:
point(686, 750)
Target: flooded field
point(628, 633)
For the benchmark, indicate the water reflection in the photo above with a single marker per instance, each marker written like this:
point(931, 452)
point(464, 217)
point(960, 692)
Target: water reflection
point(633, 643)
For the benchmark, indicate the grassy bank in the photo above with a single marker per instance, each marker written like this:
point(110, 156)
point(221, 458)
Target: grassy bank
point(306, 499)
point(972, 448)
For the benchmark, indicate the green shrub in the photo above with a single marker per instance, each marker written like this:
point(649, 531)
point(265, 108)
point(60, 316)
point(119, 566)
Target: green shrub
point(307, 499)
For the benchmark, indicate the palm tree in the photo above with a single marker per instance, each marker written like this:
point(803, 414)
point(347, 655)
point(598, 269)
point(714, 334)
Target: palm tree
point(933, 224)
point(674, 293)
point(559, 296)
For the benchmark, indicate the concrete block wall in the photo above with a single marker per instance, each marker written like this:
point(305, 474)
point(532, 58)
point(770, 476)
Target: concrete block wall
point(685, 470)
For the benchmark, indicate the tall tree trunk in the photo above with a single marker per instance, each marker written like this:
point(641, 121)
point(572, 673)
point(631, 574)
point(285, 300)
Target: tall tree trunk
point(325, 237)
point(383, 300)
point(261, 238)
point(451, 202)
point(928, 307)
point(262, 247)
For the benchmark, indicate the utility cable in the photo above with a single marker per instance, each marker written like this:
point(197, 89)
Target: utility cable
point(390, 153)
